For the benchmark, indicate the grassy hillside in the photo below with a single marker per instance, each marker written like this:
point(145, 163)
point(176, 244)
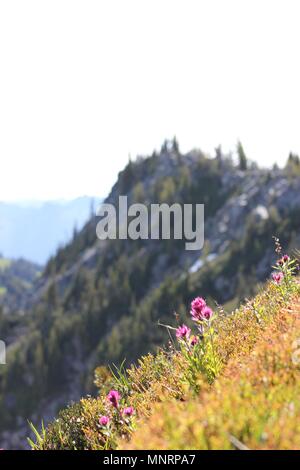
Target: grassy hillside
point(232, 381)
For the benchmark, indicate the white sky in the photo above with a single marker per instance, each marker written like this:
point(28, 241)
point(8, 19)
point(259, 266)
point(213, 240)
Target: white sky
point(85, 83)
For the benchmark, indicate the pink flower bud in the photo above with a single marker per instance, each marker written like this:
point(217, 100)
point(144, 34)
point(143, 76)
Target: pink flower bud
point(114, 397)
point(194, 340)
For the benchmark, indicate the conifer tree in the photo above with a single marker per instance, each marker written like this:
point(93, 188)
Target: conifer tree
point(243, 164)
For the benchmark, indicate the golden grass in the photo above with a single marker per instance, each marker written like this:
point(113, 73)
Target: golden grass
point(254, 404)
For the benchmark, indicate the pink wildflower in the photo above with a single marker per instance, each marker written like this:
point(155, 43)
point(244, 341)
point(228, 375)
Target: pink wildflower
point(104, 420)
point(200, 311)
point(207, 313)
point(277, 277)
point(183, 332)
point(128, 411)
point(114, 397)
point(197, 306)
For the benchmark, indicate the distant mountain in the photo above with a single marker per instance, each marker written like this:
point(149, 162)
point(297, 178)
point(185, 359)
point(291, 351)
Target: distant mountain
point(34, 230)
point(100, 302)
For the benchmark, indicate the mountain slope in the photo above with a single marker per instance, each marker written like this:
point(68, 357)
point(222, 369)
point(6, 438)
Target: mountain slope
point(16, 279)
point(99, 302)
point(236, 387)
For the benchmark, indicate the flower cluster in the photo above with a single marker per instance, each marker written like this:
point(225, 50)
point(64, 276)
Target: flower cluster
point(200, 313)
point(199, 352)
point(282, 266)
point(114, 398)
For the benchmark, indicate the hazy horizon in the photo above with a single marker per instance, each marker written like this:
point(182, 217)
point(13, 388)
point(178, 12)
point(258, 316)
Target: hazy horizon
point(82, 86)
point(34, 230)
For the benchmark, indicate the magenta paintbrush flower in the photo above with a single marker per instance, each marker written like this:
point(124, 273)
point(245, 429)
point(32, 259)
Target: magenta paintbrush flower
point(197, 305)
point(183, 332)
point(114, 397)
point(277, 277)
point(104, 420)
point(207, 313)
point(200, 311)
